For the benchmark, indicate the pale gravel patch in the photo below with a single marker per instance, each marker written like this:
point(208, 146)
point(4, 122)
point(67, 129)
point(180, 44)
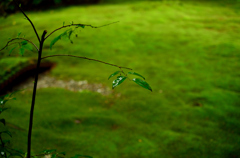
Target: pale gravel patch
point(45, 81)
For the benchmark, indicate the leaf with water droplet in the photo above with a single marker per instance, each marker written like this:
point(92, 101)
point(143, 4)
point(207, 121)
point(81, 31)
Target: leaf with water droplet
point(115, 73)
point(142, 83)
point(118, 81)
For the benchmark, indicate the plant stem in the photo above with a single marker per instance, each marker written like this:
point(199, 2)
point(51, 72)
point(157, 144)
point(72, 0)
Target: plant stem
point(78, 25)
point(28, 20)
point(87, 59)
point(34, 94)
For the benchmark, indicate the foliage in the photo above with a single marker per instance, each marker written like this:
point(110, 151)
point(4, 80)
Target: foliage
point(5, 150)
point(23, 45)
point(192, 64)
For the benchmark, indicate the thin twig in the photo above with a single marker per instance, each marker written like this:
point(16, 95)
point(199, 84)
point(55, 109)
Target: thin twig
point(79, 25)
point(19, 39)
point(87, 59)
point(28, 20)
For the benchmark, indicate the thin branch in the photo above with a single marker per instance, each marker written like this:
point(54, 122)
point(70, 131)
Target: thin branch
point(87, 59)
point(28, 20)
point(18, 39)
point(78, 25)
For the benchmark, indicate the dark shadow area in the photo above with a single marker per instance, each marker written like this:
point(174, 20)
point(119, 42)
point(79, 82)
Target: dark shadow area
point(27, 72)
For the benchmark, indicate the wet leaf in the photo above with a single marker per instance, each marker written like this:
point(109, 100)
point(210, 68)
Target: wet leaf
point(142, 83)
point(134, 73)
point(118, 81)
point(115, 73)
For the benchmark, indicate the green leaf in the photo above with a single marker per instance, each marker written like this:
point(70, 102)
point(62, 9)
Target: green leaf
point(55, 40)
point(142, 83)
point(7, 132)
point(118, 81)
point(63, 23)
point(2, 102)
point(26, 45)
point(134, 73)
point(21, 51)
point(3, 121)
point(20, 5)
point(115, 73)
point(54, 156)
point(64, 34)
point(69, 35)
point(12, 50)
point(81, 25)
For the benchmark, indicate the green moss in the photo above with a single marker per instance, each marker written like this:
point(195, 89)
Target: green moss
point(189, 54)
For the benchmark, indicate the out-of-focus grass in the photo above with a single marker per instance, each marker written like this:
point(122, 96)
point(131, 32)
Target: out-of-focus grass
point(189, 54)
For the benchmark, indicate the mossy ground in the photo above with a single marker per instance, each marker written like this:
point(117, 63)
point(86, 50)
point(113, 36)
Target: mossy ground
point(189, 53)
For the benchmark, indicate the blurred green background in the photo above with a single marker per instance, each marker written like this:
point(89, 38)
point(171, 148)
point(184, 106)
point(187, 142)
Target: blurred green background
point(189, 52)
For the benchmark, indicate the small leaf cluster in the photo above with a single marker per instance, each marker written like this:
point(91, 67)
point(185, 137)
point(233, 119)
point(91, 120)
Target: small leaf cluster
point(123, 76)
point(22, 45)
point(5, 150)
point(66, 34)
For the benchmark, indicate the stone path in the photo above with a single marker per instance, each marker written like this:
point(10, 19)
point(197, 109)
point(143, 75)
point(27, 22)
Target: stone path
point(45, 81)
